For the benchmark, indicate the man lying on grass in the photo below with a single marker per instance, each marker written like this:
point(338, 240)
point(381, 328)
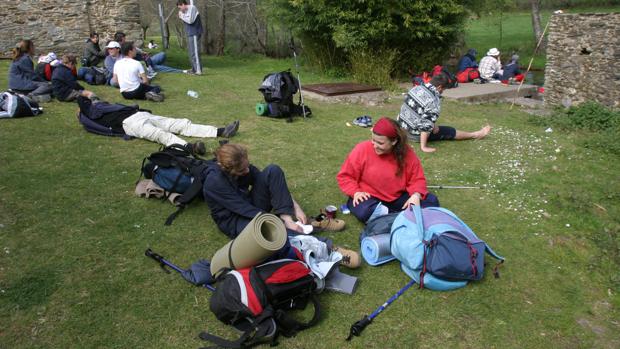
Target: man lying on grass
point(419, 114)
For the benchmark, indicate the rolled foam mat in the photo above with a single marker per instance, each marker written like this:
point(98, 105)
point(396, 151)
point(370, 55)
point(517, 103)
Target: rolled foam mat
point(261, 238)
point(376, 249)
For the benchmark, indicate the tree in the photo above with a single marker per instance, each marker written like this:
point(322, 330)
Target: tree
point(536, 24)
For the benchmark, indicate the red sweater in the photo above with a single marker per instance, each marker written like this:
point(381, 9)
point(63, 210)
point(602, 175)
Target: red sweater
point(364, 170)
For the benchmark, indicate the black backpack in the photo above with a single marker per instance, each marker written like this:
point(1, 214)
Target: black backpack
point(256, 300)
point(278, 90)
point(176, 169)
point(15, 105)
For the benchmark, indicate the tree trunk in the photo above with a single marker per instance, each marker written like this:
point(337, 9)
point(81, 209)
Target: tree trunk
point(205, 25)
point(536, 25)
point(221, 36)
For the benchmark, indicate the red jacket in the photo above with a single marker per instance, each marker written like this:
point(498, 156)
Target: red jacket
point(364, 170)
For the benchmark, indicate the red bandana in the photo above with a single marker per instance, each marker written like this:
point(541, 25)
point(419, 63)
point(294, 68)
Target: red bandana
point(385, 127)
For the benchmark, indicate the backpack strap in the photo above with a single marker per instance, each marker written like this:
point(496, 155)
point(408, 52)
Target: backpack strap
point(417, 211)
point(264, 330)
point(194, 189)
point(288, 326)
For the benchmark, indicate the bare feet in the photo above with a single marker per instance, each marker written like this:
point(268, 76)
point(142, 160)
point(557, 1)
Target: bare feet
point(427, 149)
point(483, 132)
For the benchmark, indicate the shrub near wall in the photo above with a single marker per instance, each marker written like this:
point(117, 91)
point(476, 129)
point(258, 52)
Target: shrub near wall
point(419, 32)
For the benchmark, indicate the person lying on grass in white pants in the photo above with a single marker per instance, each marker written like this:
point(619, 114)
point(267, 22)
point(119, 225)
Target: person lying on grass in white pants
point(143, 124)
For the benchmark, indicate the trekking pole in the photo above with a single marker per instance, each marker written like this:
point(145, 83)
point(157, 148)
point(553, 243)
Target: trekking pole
point(531, 61)
point(358, 327)
point(301, 95)
point(451, 187)
point(163, 263)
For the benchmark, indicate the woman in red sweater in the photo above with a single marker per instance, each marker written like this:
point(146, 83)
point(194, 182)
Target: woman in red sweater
point(385, 171)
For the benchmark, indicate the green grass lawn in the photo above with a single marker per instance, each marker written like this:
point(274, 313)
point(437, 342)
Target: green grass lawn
point(72, 233)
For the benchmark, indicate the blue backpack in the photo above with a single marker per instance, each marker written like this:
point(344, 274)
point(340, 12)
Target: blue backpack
point(437, 249)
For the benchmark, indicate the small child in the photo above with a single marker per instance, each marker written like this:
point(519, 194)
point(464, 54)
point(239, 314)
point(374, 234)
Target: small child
point(152, 45)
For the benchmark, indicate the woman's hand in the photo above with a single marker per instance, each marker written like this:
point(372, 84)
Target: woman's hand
point(413, 200)
point(359, 197)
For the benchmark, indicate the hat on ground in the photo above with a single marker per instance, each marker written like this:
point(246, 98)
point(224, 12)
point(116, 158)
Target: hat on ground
point(493, 52)
point(113, 44)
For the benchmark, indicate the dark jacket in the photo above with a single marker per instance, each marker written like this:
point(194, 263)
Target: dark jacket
point(22, 74)
point(92, 54)
point(64, 82)
point(229, 198)
point(467, 61)
point(510, 70)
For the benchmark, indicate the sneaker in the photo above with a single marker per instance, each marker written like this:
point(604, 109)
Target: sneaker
point(231, 129)
point(198, 148)
point(362, 121)
point(155, 97)
point(323, 223)
point(350, 259)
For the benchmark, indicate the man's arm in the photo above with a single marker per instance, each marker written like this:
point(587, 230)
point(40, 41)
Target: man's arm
point(145, 80)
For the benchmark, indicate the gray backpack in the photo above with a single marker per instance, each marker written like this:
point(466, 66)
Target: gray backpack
point(15, 105)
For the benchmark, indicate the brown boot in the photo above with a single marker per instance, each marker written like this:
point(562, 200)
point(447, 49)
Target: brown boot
point(323, 223)
point(350, 259)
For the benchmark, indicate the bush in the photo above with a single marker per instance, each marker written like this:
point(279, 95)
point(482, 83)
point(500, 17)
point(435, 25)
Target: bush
point(419, 32)
point(373, 67)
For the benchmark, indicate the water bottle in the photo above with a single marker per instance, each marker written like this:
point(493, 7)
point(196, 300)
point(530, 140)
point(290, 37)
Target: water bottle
point(192, 93)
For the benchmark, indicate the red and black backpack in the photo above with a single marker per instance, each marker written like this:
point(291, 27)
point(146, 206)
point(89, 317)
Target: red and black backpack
point(257, 302)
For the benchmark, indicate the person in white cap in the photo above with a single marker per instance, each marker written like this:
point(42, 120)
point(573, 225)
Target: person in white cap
point(114, 54)
point(490, 67)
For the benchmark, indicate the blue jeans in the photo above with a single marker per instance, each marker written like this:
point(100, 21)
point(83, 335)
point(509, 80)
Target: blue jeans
point(158, 60)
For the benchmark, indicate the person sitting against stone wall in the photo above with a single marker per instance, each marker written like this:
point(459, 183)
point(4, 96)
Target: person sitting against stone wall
point(22, 76)
point(92, 52)
point(512, 71)
point(131, 77)
point(64, 82)
point(420, 111)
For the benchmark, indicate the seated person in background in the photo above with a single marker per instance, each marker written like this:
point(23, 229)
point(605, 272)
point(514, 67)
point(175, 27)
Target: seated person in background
point(154, 63)
point(512, 71)
point(92, 52)
point(468, 60)
point(152, 45)
point(383, 174)
point(131, 77)
point(64, 81)
point(114, 53)
point(490, 66)
point(420, 112)
point(22, 77)
point(142, 124)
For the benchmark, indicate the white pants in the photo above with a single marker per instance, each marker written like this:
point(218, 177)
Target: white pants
point(162, 130)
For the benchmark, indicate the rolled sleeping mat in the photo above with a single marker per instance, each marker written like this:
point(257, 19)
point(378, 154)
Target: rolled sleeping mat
point(376, 249)
point(261, 109)
point(260, 239)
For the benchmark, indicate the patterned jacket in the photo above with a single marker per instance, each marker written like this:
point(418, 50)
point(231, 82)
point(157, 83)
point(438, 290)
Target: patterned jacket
point(420, 110)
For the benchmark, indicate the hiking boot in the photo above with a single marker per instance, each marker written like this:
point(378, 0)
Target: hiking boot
point(324, 223)
point(350, 259)
point(231, 129)
point(153, 96)
point(198, 148)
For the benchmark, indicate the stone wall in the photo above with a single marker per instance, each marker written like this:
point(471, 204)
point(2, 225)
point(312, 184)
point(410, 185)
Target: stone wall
point(583, 59)
point(63, 26)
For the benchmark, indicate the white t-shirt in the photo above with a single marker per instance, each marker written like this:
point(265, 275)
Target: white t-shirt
point(128, 72)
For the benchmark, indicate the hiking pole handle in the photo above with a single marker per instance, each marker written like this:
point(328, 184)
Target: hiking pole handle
point(157, 258)
point(358, 327)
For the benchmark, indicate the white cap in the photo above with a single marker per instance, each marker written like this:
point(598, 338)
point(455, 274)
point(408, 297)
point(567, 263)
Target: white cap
point(113, 44)
point(493, 52)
